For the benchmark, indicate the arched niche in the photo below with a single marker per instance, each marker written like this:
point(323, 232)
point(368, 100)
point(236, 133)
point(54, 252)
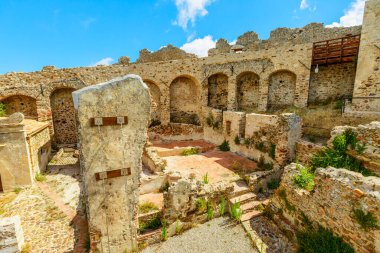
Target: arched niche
point(155, 97)
point(247, 91)
point(21, 103)
point(218, 91)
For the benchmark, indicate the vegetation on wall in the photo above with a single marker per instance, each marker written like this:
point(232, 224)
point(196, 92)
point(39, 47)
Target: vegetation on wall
point(212, 122)
point(190, 151)
point(236, 211)
point(147, 207)
point(305, 179)
point(273, 184)
point(262, 165)
point(3, 110)
point(201, 205)
point(283, 196)
point(321, 240)
point(366, 220)
point(222, 206)
point(237, 140)
point(337, 155)
point(151, 224)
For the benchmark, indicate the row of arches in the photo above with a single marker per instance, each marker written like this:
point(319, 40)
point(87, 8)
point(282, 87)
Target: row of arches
point(281, 90)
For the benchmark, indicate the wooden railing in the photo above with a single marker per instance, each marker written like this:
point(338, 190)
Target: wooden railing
point(340, 50)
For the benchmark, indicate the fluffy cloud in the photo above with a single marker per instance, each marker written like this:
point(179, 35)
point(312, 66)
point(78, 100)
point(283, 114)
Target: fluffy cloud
point(304, 5)
point(352, 16)
point(105, 62)
point(189, 10)
point(200, 46)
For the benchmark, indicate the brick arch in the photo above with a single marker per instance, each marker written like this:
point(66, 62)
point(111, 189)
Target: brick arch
point(185, 100)
point(155, 97)
point(281, 91)
point(217, 96)
point(50, 88)
point(27, 105)
point(247, 89)
point(63, 113)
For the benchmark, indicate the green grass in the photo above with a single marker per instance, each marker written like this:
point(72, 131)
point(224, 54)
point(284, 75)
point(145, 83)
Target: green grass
point(201, 205)
point(305, 179)
point(164, 233)
point(205, 178)
point(366, 220)
point(210, 211)
point(190, 151)
point(321, 240)
point(222, 206)
point(225, 146)
point(178, 227)
point(3, 110)
point(147, 207)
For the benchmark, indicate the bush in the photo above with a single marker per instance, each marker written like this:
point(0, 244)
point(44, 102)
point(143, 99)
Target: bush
point(147, 207)
point(273, 184)
point(321, 240)
point(225, 146)
point(260, 146)
point(237, 140)
point(151, 224)
point(190, 151)
point(3, 110)
point(305, 179)
point(366, 220)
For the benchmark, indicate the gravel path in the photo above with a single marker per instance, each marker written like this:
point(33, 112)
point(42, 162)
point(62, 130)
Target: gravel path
point(219, 235)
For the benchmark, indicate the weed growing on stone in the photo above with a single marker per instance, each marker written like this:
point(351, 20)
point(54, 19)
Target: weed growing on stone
point(272, 151)
point(150, 224)
point(147, 207)
point(222, 206)
point(263, 165)
point(178, 227)
point(210, 211)
point(236, 211)
point(205, 178)
point(305, 179)
point(164, 233)
point(165, 187)
point(40, 177)
point(17, 190)
point(237, 140)
point(190, 151)
point(366, 220)
point(201, 205)
point(211, 122)
point(321, 240)
point(225, 146)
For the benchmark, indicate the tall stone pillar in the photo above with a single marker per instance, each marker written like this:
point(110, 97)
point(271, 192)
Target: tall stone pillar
point(113, 119)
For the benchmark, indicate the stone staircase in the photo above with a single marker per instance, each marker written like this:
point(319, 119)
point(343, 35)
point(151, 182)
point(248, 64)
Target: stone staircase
point(249, 204)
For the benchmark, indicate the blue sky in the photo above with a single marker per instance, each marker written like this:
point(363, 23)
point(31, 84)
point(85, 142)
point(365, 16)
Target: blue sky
point(71, 33)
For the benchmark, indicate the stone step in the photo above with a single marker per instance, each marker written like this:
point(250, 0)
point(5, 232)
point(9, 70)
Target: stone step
point(251, 215)
point(240, 188)
point(247, 197)
point(250, 206)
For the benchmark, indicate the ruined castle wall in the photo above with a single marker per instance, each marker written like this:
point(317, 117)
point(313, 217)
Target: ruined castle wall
point(40, 148)
point(155, 99)
point(281, 89)
point(332, 82)
point(248, 91)
point(367, 82)
point(218, 91)
point(163, 54)
point(336, 194)
point(19, 103)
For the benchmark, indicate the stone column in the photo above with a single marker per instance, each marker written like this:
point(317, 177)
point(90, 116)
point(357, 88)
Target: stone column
point(113, 119)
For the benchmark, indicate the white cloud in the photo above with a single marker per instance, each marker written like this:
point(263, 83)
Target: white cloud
point(304, 5)
point(87, 22)
point(353, 16)
point(199, 46)
point(233, 42)
point(103, 62)
point(189, 10)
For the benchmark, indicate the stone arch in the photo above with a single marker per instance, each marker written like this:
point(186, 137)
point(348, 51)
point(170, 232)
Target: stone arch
point(63, 113)
point(155, 98)
point(282, 85)
point(218, 91)
point(21, 103)
point(184, 100)
point(247, 85)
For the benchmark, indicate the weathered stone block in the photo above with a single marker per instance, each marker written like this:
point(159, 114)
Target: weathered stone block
point(11, 235)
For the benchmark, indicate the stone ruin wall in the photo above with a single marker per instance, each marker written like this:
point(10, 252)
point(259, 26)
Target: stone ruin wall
point(275, 77)
point(337, 192)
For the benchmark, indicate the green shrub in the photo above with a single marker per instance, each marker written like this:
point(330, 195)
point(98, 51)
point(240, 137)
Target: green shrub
point(360, 148)
point(150, 224)
point(147, 207)
point(273, 184)
point(165, 187)
point(40, 177)
point(247, 142)
point(178, 227)
point(3, 110)
point(225, 146)
point(321, 240)
point(305, 179)
point(210, 211)
point(205, 178)
point(260, 146)
point(222, 206)
point(190, 151)
point(201, 205)
point(237, 140)
point(211, 122)
point(366, 220)
point(339, 104)
point(236, 211)
point(263, 165)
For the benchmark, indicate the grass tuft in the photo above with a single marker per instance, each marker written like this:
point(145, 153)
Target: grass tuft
point(148, 207)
